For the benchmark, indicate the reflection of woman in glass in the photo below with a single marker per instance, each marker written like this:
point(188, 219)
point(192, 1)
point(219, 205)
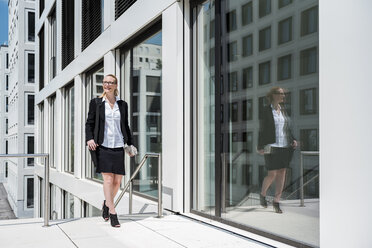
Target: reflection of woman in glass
point(276, 143)
point(113, 132)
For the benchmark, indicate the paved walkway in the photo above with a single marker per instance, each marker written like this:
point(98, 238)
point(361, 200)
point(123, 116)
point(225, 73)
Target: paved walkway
point(141, 230)
point(6, 211)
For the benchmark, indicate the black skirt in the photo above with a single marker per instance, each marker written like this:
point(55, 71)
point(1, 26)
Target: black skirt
point(110, 160)
point(279, 158)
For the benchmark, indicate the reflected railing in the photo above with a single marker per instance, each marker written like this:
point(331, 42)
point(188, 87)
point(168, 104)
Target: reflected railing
point(129, 184)
point(302, 183)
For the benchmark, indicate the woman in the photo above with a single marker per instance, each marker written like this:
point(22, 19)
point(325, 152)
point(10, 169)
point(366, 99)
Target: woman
point(113, 133)
point(276, 143)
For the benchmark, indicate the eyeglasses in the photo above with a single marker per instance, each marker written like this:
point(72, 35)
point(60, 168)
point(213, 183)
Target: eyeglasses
point(279, 93)
point(109, 83)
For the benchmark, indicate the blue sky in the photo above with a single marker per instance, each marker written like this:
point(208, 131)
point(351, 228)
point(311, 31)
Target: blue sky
point(3, 21)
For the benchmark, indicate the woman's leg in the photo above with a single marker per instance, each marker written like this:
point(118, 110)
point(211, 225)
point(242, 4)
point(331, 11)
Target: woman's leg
point(279, 184)
point(108, 188)
point(117, 181)
point(268, 180)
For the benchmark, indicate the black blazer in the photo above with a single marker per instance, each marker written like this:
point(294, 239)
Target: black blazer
point(90, 124)
point(267, 129)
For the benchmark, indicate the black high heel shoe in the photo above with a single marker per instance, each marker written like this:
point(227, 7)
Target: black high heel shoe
point(263, 201)
point(114, 220)
point(105, 211)
point(277, 208)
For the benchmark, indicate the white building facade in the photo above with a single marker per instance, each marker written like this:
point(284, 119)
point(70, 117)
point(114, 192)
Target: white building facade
point(4, 87)
point(195, 75)
point(21, 101)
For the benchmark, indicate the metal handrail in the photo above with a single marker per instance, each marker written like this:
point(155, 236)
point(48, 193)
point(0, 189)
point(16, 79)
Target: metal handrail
point(304, 153)
point(130, 184)
point(46, 179)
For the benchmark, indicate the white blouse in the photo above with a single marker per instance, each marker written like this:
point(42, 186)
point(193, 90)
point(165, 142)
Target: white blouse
point(113, 138)
point(280, 132)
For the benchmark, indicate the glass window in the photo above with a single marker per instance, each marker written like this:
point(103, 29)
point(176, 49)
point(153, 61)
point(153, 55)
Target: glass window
point(308, 61)
point(142, 88)
point(6, 82)
point(309, 139)
point(53, 45)
point(309, 21)
point(6, 125)
point(264, 73)
point(30, 109)
point(6, 104)
point(285, 67)
point(30, 149)
point(265, 39)
point(53, 131)
point(308, 101)
point(30, 192)
point(247, 110)
point(285, 30)
point(231, 21)
point(31, 26)
point(264, 7)
point(233, 81)
point(247, 45)
point(6, 170)
point(227, 173)
point(248, 77)
point(70, 127)
point(93, 89)
point(31, 68)
point(283, 3)
point(6, 147)
point(247, 13)
point(68, 200)
point(232, 51)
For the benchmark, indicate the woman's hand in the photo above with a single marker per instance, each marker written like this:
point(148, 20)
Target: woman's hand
point(261, 151)
point(92, 145)
point(294, 144)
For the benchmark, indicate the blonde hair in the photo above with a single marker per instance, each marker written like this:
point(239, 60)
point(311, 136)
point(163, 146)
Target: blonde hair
point(270, 94)
point(116, 92)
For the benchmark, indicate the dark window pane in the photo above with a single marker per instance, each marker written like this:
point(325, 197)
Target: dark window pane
point(262, 103)
point(231, 21)
point(247, 77)
point(31, 26)
point(31, 68)
point(30, 192)
point(153, 84)
point(30, 109)
point(309, 21)
point(308, 61)
point(233, 81)
point(265, 39)
point(233, 111)
point(264, 7)
point(264, 73)
point(153, 104)
point(247, 14)
point(285, 31)
point(308, 101)
point(309, 140)
point(283, 3)
point(284, 67)
point(247, 110)
point(232, 51)
point(30, 150)
point(247, 45)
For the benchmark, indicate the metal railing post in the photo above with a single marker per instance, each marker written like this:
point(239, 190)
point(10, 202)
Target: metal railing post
point(302, 180)
point(160, 188)
point(130, 197)
point(223, 188)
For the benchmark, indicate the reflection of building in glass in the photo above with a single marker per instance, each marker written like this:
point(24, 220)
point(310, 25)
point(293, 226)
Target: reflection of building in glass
point(20, 103)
